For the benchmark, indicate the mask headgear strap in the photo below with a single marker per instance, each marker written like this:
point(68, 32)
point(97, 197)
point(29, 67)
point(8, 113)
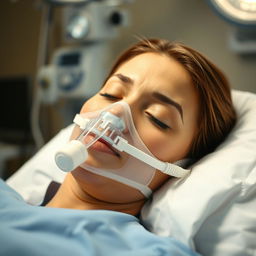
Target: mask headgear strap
point(123, 146)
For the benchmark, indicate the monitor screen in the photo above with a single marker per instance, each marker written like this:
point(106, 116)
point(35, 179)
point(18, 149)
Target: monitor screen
point(15, 105)
point(70, 59)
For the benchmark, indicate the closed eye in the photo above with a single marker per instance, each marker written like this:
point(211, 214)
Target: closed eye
point(109, 96)
point(158, 122)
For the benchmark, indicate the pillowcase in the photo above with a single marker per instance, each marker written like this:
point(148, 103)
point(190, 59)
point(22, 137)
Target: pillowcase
point(213, 209)
point(33, 178)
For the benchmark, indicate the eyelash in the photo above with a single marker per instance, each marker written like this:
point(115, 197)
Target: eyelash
point(109, 96)
point(158, 122)
point(151, 117)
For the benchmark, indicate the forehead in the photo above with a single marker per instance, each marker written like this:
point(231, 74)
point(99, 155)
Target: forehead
point(158, 71)
point(154, 72)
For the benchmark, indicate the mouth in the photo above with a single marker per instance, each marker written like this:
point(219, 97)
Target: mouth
point(102, 146)
point(110, 147)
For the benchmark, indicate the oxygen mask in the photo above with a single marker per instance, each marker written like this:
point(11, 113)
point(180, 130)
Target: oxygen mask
point(114, 127)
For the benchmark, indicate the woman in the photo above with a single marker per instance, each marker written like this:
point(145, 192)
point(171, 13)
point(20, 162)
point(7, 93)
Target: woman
point(181, 107)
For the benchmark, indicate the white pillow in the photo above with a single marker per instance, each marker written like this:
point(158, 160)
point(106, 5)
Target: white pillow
point(214, 209)
point(33, 178)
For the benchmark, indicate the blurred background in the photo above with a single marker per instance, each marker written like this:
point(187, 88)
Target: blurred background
point(55, 55)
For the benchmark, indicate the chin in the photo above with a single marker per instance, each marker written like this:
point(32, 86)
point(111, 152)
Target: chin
point(105, 189)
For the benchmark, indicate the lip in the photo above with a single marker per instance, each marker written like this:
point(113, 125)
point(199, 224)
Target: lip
point(102, 146)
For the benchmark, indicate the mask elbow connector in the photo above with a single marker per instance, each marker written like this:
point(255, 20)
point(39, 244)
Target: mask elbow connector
point(72, 155)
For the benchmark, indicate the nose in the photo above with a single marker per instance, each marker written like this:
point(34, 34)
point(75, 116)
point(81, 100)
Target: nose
point(136, 106)
point(123, 111)
point(118, 117)
point(117, 110)
point(114, 121)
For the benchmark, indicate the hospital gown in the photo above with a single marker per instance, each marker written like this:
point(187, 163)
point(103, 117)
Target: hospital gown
point(35, 230)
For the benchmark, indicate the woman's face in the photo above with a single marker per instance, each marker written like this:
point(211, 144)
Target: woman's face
point(164, 107)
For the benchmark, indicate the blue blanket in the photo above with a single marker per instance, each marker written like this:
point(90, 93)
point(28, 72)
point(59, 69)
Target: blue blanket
point(34, 231)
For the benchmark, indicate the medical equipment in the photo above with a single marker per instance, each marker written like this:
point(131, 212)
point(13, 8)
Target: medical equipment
point(74, 72)
point(241, 14)
point(114, 126)
point(97, 21)
point(79, 71)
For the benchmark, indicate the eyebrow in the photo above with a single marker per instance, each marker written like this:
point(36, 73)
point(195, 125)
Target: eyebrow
point(156, 95)
point(124, 78)
point(169, 101)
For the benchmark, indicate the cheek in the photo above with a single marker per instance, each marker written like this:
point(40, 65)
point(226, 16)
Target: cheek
point(94, 103)
point(155, 142)
point(169, 148)
point(89, 105)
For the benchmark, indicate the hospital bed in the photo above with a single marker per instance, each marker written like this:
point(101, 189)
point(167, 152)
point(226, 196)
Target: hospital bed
point(212, 211)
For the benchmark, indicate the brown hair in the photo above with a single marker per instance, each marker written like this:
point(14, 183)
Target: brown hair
point(217, 114)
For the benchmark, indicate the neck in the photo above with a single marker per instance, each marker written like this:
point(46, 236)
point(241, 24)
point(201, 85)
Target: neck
point(71, 196)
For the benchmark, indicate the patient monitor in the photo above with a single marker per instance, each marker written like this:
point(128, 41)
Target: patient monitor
point(78, 71)
point(74, 72)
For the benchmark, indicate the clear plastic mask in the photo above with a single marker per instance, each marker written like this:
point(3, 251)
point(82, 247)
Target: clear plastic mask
point(114, 126)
